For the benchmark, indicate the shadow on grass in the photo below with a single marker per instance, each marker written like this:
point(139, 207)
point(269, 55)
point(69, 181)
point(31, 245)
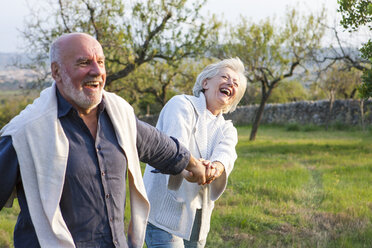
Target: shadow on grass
point(303, 149)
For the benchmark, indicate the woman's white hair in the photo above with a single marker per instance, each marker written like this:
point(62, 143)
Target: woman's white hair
point(212, 70)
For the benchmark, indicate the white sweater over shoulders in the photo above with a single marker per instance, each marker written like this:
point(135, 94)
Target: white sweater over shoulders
point(42, 150)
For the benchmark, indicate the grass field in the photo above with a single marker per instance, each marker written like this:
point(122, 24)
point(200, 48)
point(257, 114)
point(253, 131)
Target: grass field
point(299, 188)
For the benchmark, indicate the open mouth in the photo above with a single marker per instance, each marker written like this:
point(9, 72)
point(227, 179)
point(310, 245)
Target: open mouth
point(92, 84)
point(225, 91)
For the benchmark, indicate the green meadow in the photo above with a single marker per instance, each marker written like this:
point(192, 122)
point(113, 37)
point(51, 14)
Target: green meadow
point(301, 188)
point(292, 187)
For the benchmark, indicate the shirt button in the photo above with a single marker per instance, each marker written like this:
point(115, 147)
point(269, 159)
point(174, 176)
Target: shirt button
point(115, 243)
point(110, 219)
point(103, 173)
point(107, 196)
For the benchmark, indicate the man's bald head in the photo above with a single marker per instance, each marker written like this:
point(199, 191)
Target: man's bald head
point(64, 41)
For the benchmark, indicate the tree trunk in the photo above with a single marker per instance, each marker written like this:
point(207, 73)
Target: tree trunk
point(257, 118)
point(331, 101)
point(148, 109)
point(120, 74)
point(362, 114)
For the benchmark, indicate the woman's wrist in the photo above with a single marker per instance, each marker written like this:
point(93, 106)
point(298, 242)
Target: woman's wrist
point(219, 168)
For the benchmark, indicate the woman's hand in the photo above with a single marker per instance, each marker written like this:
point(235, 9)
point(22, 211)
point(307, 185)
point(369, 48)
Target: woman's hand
point(213, 170)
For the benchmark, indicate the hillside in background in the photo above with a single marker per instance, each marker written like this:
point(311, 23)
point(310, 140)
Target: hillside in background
point(11, 76)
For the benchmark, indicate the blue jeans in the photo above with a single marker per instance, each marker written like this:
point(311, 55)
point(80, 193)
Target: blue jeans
point(158, 238)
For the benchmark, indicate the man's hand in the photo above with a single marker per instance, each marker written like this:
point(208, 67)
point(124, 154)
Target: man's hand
point(196, 171)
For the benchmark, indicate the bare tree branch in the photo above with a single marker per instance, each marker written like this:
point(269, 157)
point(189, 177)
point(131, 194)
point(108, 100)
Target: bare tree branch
point(63, 16)
point(144, 47)
point(92, 19)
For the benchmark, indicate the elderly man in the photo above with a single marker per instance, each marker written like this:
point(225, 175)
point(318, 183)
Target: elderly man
point(67, 155)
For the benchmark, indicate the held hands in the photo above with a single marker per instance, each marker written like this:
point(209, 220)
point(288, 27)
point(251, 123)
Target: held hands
point(195, 171)
point(202, 171)
point(213, 170)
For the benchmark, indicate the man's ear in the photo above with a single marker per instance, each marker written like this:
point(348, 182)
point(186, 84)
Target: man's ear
point(56, 71)
point(205, 84)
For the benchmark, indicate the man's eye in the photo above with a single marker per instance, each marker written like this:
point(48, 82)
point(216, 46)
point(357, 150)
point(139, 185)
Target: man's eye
point(224, 77)
point(84, 62)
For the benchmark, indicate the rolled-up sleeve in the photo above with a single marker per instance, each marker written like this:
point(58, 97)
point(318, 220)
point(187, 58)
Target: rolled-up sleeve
point(9, 169)
point(160, 151)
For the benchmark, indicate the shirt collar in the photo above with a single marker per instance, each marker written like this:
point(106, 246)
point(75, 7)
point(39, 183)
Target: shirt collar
point(64, 107)
point(200, 105)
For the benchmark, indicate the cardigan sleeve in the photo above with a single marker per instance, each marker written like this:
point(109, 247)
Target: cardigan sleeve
point(177, 119)
point(225, 153)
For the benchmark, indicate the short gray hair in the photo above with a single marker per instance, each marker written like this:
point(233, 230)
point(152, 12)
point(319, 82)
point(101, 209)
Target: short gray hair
point(55, 51)
point(212, 70)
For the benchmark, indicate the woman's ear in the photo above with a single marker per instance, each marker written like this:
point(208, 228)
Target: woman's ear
point(205, 84)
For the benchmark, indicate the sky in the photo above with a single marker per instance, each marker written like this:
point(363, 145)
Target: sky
point(13, 13)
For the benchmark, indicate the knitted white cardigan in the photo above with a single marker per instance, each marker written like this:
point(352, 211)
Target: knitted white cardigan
point(42, 151)
point(172, 201)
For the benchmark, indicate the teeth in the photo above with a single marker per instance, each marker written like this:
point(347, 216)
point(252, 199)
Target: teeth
point(225, 91)
point(92, 83)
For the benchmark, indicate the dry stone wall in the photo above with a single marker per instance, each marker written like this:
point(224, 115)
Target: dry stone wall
point(346, 112)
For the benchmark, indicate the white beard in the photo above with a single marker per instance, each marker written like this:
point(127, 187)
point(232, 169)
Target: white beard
point(77, 95)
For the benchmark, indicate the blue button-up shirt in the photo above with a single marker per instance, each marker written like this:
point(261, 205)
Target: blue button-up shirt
point(93, 197)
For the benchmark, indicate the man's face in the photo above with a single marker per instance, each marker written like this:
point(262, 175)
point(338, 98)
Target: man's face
point(82, 72)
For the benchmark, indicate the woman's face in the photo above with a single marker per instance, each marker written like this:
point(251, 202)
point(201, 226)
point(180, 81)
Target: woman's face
point(220, 91)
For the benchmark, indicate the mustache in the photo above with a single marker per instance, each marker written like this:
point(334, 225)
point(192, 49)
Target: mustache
point(93, 79)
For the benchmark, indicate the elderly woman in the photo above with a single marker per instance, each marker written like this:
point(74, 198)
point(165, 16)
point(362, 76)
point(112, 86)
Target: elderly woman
point(181, 211)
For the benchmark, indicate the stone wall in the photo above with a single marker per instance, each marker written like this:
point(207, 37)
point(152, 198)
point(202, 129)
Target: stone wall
point(307, 112)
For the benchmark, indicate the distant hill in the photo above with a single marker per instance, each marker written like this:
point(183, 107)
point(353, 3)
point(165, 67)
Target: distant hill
point(11, 75)
point(8, 59)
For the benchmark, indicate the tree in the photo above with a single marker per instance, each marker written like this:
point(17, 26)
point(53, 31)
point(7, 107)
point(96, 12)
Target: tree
point(288, 91)
point(271, 52)
point(131, 33)
point(151, 85)
point(340, 81)
point(336, 83)
point(356, 13)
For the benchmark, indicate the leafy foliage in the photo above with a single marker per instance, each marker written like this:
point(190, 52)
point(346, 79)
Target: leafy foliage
point(339, 82)
point(150, 86)
point(365, 89)
point(289, 91)
point(356, 13)
point(11, 106)
point(272, 52)
point(132, 33)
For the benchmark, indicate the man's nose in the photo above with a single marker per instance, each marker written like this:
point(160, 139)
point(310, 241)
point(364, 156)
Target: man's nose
point(97, 69)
